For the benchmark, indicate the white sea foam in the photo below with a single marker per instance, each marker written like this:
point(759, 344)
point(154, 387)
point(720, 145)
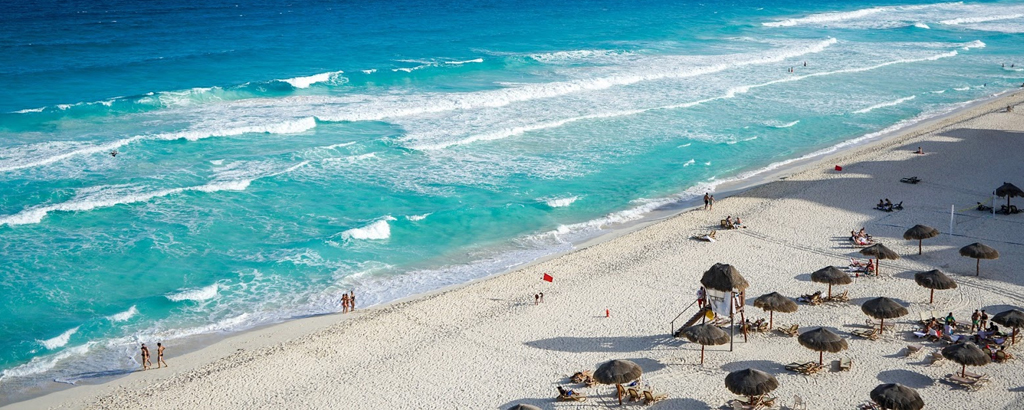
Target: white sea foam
point(560, 202)
point(200, 294)
point(981, 19)
point(575, 55)
point(59, 341)
point(417, 217)
point(685, 145)
point(475, 60)
point(731, 93)
point(217, 162)
point(377, 230)
point(938, 92)
point(780, 124)
point(40, 364)
point(24, 158)
point(386, 108)
point(123, 316)
point(885, 104)
point(690, 162)
point(331, 77)
point(961, 88)
point(370, 71)
point(29, 110)
point(922, 25)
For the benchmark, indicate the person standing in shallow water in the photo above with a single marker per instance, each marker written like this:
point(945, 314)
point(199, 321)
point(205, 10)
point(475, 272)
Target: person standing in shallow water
point(145, 357)
point(351, 300)
point(344, 303)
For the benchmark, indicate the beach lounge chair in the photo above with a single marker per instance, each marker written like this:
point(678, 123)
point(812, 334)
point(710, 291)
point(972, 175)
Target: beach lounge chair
point(911, 180)
point(789, 331)
point(840, 297)
point(812, 299)
point(925, 316)
point(798, 403)
point(708, 237)
point(973, 375)
point(804, 368)
point(867, 334)
point(726, 224)
point(874, 323)
point(845, 363)
point(912, 349)
point(569, 395)
point(966, 382)
point(633, 394)
point(650, 398)
point(937, 357)
point(740, 405)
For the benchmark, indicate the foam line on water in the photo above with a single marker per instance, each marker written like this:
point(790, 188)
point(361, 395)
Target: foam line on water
point(59, 341)
point(475, 60)
point(40, 364)
point(430, 104)
point(124, 316)
point(731, 93)
point(885, 104)
point(560, 202)
point(108, 196)
point(18, 162)
point(378, 230)
point(980, 19)
point(832, 17)
point(330, 77)
point(196, 295)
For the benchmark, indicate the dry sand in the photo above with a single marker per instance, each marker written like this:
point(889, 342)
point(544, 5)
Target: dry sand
point(486, 345)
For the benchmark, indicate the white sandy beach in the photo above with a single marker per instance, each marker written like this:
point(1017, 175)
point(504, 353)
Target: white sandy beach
point(486, 345)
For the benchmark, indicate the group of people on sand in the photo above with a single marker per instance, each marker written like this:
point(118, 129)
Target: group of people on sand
point(348, 302)
point(887, 206)
point(860, 237)
point(146, 363)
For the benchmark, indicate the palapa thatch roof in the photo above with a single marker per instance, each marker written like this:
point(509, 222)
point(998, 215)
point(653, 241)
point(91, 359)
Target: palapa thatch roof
point(896, 396)
point(618, 372)
point(934, 279)
point(920, 232)
point(979, 250)
point(831, 275)
point(1010, 318)
point(750, 382)
point(706, 334)
point(1008, 189)
point(883, 308)
point(724, 277)
point(822, 340)
point(775, 302)
point(879, 251)
point(967, 354)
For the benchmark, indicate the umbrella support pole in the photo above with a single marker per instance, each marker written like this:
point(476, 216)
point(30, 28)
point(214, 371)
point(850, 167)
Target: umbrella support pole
point(771, 320)
point(732, 324)
point(977, 268)
point(701, 355)
point(830, 291)
point(821, 358)
point(881, 326)
point(932, 298)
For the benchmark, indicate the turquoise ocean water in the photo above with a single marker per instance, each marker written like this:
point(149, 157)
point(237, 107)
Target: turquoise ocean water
point(272, 156)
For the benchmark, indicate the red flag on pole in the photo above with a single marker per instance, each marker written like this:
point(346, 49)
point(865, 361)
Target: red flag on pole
point(548, 278)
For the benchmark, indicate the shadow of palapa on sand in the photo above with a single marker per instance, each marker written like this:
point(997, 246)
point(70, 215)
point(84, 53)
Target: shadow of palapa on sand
point(680, 403)
point(767, 366)
point(906, 377)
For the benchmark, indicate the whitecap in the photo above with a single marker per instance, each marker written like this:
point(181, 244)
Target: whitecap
point(560, 202)
point(475, 60)
point(374, 231)
point(921, 25)
point(123, 316)
point(417, 217)
point(199, 294)
point(780, 124)
point(59, 341)
point(885, 104)
point(961, 88)
point(690, 162)
point(305, 82)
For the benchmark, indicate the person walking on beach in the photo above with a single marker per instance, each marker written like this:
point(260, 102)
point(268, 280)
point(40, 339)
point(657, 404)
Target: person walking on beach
point(351, 300)
point(344, 303)
point(984, 319)
point(160, 356)
point(145, 358)
point(707, 198)
point(542, 297)
point(701, 297)
point(975, 320)
point(711, 202)
point(536, 299)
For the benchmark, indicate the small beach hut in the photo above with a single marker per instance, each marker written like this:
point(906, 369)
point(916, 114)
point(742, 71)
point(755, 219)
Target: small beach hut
point(707, 335)
point(934, 279)
point(920, 232)
point(832, 276)
point(822, 340)
point(879, 251)
point(895, 396)
point(967, 354)
point(618, 372)
point(1011, 318)
point(774, 302)
point(751, 382)
point(979, 251)
point(1009, 191)
point(883, 308)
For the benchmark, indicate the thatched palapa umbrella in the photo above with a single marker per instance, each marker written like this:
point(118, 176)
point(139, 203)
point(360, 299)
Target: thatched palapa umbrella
point(724, 277)
point(774, 302)
point(618, 372)
point(883, 308)
point(880, 252)
point(706, 335)
point(967, 354)
point(1011, 318)
point(822, 340)
point(832, 276)
point(920, 232)
point(1009, 191)
point(934, 279)
point(896, 396)
point(523, 407)
point(979, 251)
point(750, 382)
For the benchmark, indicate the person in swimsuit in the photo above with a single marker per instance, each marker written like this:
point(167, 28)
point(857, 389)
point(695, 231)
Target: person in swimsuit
point(351, 300)
point(160, 356)
point(145, 358)
point(344, 303)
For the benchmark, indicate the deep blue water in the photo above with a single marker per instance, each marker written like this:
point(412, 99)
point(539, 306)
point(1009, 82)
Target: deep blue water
point(271, 156)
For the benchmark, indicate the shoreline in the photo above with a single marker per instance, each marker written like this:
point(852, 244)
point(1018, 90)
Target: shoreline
point(269, 335)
